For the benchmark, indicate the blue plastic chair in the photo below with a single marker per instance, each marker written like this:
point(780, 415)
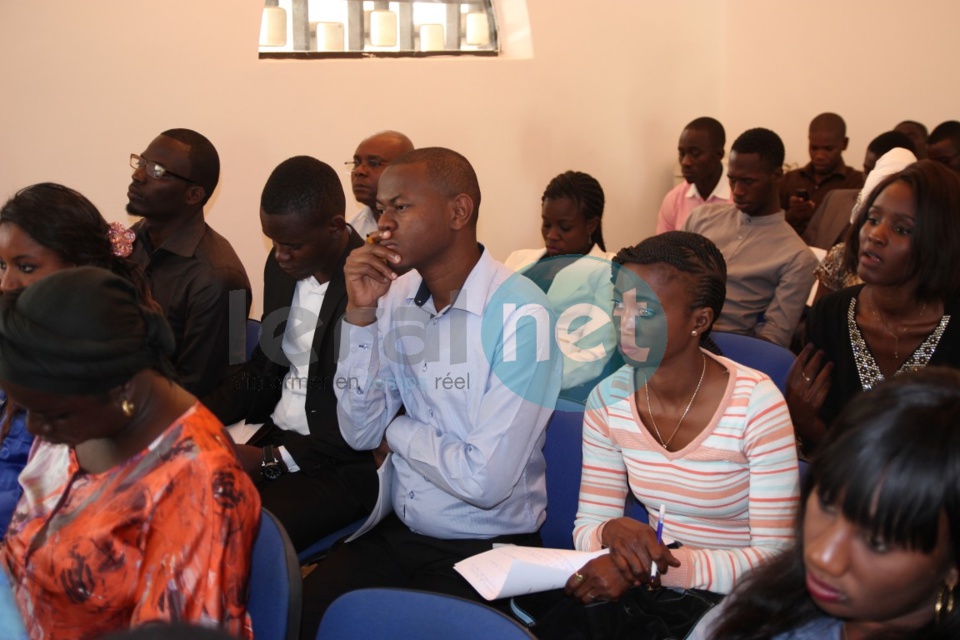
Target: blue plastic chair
point(563, 451)
point(318, 549)
point(253, 336)
point(771, 359)
point(406, 614)
point(275, 591)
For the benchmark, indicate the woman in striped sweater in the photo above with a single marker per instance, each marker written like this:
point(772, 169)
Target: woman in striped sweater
point(705, 437)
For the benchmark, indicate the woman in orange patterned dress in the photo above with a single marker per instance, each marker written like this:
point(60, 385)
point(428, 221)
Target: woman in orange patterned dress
point(135, 508)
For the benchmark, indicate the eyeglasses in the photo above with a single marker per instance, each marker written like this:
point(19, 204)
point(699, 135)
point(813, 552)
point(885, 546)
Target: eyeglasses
point(153, 169)
point(373, 163)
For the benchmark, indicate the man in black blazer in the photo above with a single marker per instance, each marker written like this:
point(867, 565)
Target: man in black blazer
point(290, 442)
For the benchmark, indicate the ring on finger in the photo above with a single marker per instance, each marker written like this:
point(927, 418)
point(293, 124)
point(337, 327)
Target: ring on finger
point(579, 576)
point(806, 378)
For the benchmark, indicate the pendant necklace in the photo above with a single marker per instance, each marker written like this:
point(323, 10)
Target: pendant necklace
point(893, 334)
point(656, 429)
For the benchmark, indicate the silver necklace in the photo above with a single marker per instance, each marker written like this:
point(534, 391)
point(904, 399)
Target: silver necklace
point(656, 429)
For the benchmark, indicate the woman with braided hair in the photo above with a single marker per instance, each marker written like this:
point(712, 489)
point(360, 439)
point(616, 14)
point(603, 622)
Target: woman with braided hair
point(705, 437)
point(571, 221)
point(572, 268)
point(44, 228)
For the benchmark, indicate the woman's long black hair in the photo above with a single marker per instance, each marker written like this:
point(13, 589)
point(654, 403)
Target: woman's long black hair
point(891, 463)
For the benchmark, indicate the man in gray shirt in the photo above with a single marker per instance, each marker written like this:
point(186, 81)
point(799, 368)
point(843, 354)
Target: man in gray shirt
point(769, 268)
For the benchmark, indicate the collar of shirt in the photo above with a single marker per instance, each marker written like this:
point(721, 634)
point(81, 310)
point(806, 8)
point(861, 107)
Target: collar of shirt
point(842, 171)
point(480, 279)
point(720, 192)
point(762, 221)
point(183, 242)
point(363, 222)
point(311, 285)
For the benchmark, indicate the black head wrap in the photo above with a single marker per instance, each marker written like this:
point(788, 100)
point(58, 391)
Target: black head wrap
point(79, 331)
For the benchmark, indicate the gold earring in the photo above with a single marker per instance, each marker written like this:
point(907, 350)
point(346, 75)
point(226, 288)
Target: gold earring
point(127, 407)
point(941, 608)
point(694, 333)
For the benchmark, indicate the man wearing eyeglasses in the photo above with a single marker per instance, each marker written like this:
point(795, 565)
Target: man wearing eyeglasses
point(192, 270)
point(369, 160)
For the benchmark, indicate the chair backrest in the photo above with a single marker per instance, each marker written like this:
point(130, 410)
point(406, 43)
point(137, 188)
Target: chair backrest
point(316, 551)
point(275, 590)
point(406, 614)
point(563, 451)
point(253, 336)
point(771, 359)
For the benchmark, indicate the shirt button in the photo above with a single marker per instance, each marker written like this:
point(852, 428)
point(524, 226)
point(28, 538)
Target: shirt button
point(430, 411)
point(410, 495)
point(424, 366)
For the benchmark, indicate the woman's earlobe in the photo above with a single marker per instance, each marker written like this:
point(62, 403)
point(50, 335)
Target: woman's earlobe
point(593, 224)
point(704, 320)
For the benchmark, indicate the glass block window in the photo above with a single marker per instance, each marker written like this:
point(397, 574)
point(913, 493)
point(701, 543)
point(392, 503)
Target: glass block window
point(364, 28)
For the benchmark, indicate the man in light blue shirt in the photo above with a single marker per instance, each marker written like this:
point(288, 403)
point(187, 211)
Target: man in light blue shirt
point(437, 328)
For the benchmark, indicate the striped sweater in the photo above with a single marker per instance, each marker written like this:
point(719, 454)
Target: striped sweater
point(731, 494)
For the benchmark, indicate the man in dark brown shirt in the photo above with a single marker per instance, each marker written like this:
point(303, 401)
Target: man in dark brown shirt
point(943, 145)
point(918, 135)
point(803, 189)
point(193, 272)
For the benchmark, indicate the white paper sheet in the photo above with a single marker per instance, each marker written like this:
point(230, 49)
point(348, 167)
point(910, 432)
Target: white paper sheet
point(509, 570)
point(384, 506)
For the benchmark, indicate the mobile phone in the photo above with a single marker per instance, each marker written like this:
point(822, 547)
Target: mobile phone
point(803, 194)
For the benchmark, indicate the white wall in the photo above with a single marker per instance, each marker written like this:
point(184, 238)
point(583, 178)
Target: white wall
point(875, 62)
point(609, 87)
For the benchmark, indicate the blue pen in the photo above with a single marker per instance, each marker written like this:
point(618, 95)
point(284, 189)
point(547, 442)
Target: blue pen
point(663, 511)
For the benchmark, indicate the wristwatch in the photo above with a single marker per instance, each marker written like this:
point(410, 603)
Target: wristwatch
point(270, 467)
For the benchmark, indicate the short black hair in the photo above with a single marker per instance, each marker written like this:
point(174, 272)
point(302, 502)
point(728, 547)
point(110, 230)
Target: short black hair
point(914, 123)
point(829, 122)
point(585, 192)
point(304, 186)
point(715, 130)
point(889, 140)
point(763, 142)
point(450, 173)
point(935, 241)
point(204, 159)
point(949, 130)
